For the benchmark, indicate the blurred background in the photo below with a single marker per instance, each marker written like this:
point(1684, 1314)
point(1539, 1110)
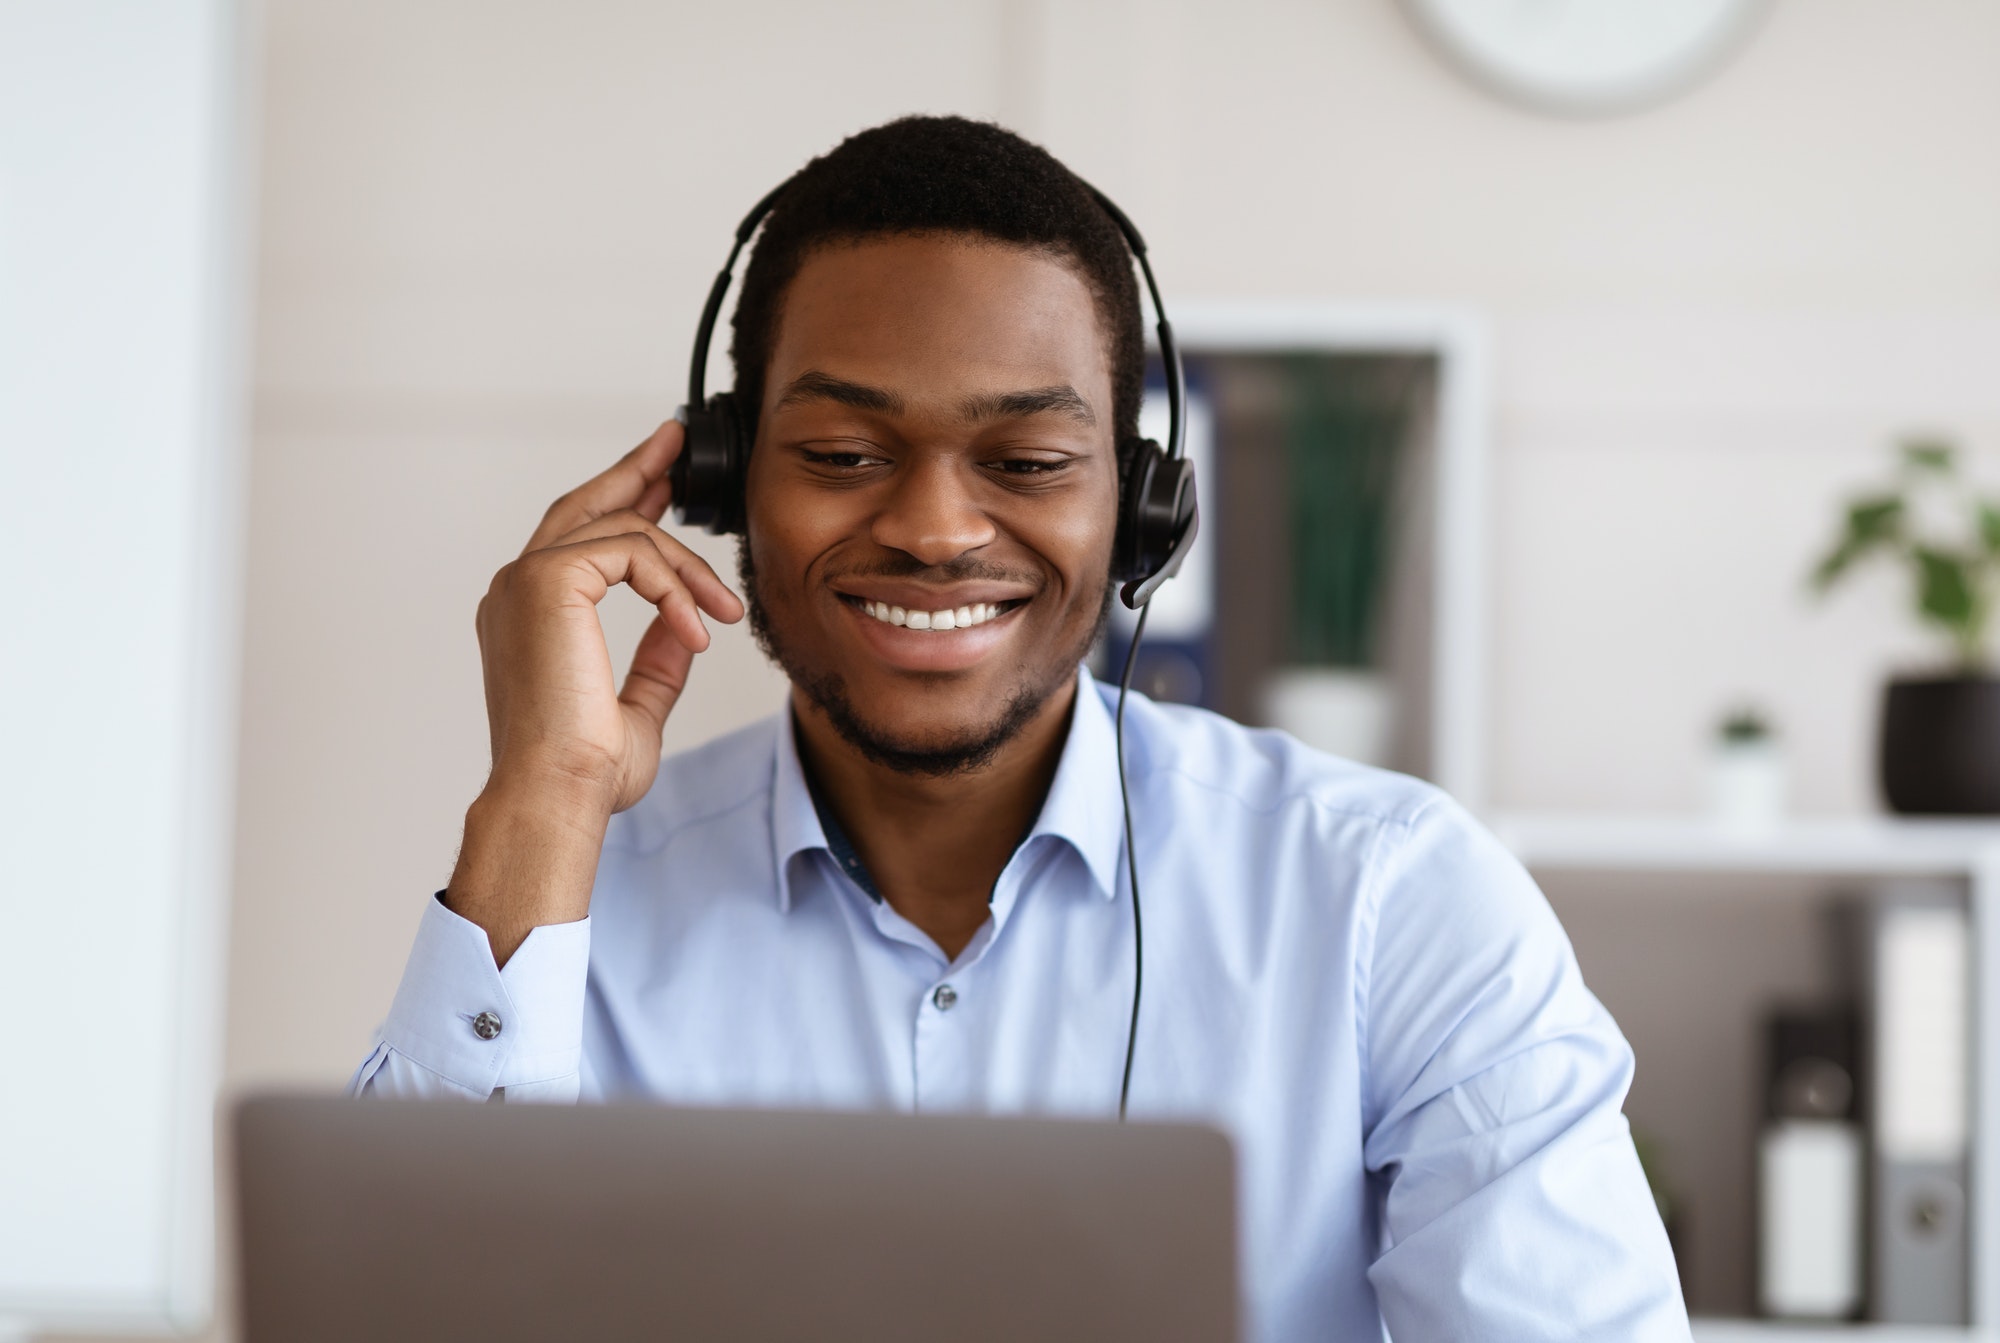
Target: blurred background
point(1629, 364)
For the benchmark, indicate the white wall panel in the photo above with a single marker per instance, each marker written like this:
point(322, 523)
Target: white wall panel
point(119, 527)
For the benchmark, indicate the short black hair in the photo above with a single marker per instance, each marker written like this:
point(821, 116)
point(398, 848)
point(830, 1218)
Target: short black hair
point(919, 175)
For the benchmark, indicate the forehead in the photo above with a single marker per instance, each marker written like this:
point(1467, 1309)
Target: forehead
point(945, 314)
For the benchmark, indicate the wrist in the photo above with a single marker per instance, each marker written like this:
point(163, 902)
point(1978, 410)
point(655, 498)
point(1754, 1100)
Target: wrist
point(542, 792)
point(529, 858)
point(555, 806)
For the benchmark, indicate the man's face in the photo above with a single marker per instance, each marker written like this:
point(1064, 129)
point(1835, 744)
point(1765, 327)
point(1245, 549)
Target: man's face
point(936, 436)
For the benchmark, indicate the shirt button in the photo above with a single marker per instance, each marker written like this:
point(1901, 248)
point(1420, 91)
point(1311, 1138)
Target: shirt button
point(486, 1025)
point(945, 997)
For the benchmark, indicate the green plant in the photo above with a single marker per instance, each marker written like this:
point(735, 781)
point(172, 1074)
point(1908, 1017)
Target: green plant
point(1346, 423)
point(1949, 537)
point(1743, 725)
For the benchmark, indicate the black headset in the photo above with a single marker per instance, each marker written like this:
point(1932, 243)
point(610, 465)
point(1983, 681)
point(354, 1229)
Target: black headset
point(1157, 516)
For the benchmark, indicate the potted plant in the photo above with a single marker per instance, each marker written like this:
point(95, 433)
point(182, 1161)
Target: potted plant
point(1746, 779)
point(1345, 426)
point(1940, 733)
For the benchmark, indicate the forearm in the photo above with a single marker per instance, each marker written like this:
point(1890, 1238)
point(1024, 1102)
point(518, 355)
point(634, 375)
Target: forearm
point(529, 859)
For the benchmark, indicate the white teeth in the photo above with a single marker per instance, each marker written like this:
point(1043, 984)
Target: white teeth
point(951, 618)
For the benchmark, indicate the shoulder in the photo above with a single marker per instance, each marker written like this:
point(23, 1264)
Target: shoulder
point(1194, 754)
point(1384, 838)
point(713, 783)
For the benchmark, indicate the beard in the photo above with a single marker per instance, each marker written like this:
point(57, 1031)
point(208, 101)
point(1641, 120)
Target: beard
point(965, 753)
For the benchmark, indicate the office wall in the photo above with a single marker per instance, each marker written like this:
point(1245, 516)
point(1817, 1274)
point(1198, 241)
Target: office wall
point(486, 229)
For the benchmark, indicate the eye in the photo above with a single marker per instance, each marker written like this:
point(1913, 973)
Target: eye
point(1032, 466)
point(849, 460)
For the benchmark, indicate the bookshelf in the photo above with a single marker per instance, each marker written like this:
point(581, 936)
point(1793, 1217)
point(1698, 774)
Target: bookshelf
point(1636, 859)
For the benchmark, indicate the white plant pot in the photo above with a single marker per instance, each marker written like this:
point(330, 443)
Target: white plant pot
point(1747, 785)
point(1343, 711)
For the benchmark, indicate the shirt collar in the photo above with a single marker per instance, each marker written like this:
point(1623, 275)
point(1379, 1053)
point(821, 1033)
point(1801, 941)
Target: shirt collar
point(1082, 808)
point(795, 826)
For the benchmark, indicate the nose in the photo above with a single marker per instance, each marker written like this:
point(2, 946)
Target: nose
point(933, 513)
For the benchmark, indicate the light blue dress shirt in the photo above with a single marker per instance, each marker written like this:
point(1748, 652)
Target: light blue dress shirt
point(1343, 970)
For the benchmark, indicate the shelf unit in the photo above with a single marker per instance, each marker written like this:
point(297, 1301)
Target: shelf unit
point(1837, 847)
point(1860, 845)
point(1769, 1331)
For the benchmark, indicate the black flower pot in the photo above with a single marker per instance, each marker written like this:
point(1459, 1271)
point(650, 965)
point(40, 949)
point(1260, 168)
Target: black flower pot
point(1941, 746)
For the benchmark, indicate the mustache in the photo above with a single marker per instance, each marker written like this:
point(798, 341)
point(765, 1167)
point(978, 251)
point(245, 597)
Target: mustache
point(955, 571)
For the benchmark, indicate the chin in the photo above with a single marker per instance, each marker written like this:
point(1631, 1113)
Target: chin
point(914, 720)
point(953, 747)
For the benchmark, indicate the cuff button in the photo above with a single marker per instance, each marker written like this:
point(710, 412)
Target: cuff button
point(486, 1025)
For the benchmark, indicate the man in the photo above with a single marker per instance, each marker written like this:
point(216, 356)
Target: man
point(907, 890)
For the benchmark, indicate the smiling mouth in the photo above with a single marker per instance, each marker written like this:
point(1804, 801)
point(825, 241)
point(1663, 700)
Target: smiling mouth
point(948, 618)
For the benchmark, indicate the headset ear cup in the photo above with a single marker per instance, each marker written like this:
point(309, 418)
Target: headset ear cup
point(707, 478)
point(733, 515)
point(1156, 504)
point(1158, 518)
point(1141, 459)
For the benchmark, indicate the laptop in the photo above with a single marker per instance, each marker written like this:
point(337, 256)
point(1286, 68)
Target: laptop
point(442, 1221)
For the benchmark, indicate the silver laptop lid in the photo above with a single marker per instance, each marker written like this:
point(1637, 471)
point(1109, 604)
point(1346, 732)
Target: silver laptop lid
point(444, 1221)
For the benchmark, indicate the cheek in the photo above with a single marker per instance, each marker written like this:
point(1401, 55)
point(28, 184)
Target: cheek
point(775, 561)
point(780, 536)
point(1081, 544)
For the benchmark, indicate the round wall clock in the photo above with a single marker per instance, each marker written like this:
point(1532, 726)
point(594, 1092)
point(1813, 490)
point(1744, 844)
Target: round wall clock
point(1587, 57)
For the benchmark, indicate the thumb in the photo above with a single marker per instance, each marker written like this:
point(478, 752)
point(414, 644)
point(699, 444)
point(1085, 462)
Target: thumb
point(659, 674)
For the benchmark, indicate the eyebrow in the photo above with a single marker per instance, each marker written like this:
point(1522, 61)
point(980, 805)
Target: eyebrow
point(816, 386)
point(1061, 399)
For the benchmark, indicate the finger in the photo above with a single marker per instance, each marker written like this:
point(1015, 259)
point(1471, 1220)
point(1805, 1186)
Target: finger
point(710, 592)
point(659, 673)
point(600, 563)
point(652, 505)
point(622, 485)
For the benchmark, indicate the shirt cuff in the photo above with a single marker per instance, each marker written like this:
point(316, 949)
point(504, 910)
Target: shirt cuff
point(479, 1026)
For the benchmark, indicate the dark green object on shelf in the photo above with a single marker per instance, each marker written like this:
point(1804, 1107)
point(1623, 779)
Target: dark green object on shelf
point(1957, 578)
point(1938, 747)
point(1345, 425)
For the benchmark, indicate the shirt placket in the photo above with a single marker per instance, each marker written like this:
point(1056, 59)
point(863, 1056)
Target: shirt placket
point(942, 1049)
point(944, 1038)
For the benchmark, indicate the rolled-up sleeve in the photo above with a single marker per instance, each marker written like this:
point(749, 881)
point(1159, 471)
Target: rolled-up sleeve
point(1513, 1203)
point(462, 1026)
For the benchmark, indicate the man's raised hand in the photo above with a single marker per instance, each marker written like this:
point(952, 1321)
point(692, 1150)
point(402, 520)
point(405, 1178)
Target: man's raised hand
point(570, 746)
point(558, 719)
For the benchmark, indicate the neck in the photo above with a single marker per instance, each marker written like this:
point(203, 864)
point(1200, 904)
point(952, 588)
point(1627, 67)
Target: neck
point(936, 846)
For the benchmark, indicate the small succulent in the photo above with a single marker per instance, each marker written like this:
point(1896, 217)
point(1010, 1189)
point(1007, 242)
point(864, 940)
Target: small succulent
point(1745, 725)
point(1949, 537)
